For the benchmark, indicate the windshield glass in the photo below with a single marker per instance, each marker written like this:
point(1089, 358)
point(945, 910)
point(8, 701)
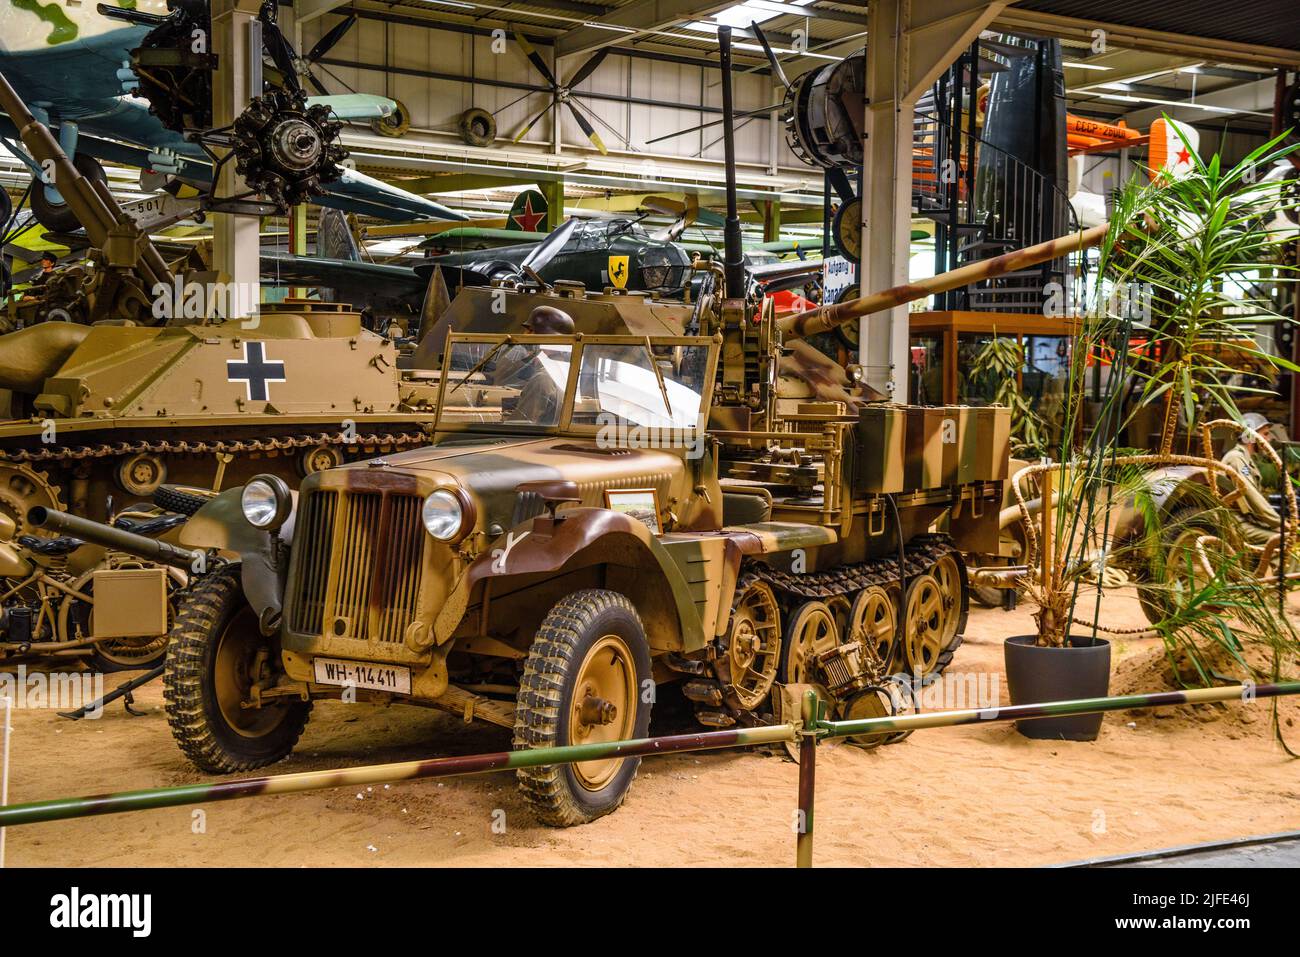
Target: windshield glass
point(621, 381)
point(520, 384)
point(641, 385)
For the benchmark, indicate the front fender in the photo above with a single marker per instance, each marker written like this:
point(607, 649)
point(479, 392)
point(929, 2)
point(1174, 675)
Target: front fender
point(262, 555)
point(591, 536)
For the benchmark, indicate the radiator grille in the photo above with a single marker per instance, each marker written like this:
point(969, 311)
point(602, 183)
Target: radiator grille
point(359, 562)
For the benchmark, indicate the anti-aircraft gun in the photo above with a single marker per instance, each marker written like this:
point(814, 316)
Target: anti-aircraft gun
point(159, 389)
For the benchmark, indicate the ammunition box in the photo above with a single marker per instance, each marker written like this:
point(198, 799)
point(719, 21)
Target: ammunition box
point(130, 602)
point(958, 436)
point(995, 450)
point(923, 456)
point(878, 452)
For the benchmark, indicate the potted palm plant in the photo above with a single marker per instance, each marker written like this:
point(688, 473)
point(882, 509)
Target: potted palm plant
point(1171, 272)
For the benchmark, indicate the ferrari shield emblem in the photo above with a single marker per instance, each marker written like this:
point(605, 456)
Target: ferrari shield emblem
point(618, 269)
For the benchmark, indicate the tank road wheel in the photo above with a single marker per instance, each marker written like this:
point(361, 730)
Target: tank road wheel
point(582, 684)
point(873, 620)
point(753, 644)
point(318, 459)
point(215, 656)
point(930, 626)
point(141, 474)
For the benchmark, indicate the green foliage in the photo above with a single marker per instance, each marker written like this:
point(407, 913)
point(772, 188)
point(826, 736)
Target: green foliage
point(1000, 360)
point(1174, 252)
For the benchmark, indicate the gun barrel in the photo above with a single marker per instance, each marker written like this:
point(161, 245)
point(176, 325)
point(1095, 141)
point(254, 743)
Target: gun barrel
point(825, 318)
point(91, 203)
point(141, 546)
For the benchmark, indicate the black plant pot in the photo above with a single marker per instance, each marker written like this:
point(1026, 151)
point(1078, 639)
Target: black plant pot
point(1081, 669)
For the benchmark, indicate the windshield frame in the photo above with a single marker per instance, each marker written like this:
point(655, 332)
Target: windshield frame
point(565, 425)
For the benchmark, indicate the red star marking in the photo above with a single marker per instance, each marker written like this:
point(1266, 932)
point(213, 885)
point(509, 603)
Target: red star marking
point(1184, 157)
point(528, 220)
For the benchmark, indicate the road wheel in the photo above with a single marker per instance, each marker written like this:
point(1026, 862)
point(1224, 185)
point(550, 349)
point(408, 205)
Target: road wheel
point(215, 656)
point(582, 684)
point(873, 621)
point(932, 620)
point(1168, 584)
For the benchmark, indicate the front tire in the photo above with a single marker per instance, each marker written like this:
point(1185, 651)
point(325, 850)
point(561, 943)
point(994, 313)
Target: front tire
point(215, 654)
point(582, 684)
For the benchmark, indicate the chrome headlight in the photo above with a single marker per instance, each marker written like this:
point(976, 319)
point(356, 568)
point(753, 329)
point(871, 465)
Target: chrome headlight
point(444, 515)
point(266, 502)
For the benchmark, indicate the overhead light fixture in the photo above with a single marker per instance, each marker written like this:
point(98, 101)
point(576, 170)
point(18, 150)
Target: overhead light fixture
point(1080, 65)
point(1156, 101)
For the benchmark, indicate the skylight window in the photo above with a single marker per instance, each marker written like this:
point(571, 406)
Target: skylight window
point(743, 14)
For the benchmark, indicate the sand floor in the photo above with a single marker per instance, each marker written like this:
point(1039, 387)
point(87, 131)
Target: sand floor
point(978, 795)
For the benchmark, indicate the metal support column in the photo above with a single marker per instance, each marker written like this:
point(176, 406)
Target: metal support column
point(909, 45)
point(554, 193)
point(235, 239)
point(772, 221)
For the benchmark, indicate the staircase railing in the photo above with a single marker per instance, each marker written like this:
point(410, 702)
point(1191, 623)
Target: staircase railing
point(986, 202)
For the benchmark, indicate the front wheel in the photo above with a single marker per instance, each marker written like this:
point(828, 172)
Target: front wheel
point(215, 656)
point(583, 683)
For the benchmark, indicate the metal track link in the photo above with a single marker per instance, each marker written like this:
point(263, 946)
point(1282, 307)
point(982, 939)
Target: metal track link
point(79, 453)
point(923, 552)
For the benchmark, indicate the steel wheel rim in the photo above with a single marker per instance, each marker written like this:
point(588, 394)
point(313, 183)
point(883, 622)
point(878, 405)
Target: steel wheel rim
point(237, 648)
point(754, 650)
point(607, 674)
point(812, 632)
point(874, 622)
point(931, 625)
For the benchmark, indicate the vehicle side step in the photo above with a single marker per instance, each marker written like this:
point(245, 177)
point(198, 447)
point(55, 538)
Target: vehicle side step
point(704, 692)
point(714, 719)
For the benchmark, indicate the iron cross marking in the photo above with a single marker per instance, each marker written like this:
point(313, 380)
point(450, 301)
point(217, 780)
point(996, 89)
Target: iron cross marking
point(255, 371)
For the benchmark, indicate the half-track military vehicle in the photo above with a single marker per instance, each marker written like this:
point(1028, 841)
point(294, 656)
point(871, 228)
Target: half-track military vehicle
point(597, 514)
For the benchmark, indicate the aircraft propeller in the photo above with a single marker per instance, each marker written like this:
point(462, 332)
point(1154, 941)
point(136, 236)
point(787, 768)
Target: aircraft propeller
point(562, 93)
point(546, 250)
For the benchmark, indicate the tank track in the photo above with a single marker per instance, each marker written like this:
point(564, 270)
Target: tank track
point(47, 466)
point(706, 691)
point(69, 453)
